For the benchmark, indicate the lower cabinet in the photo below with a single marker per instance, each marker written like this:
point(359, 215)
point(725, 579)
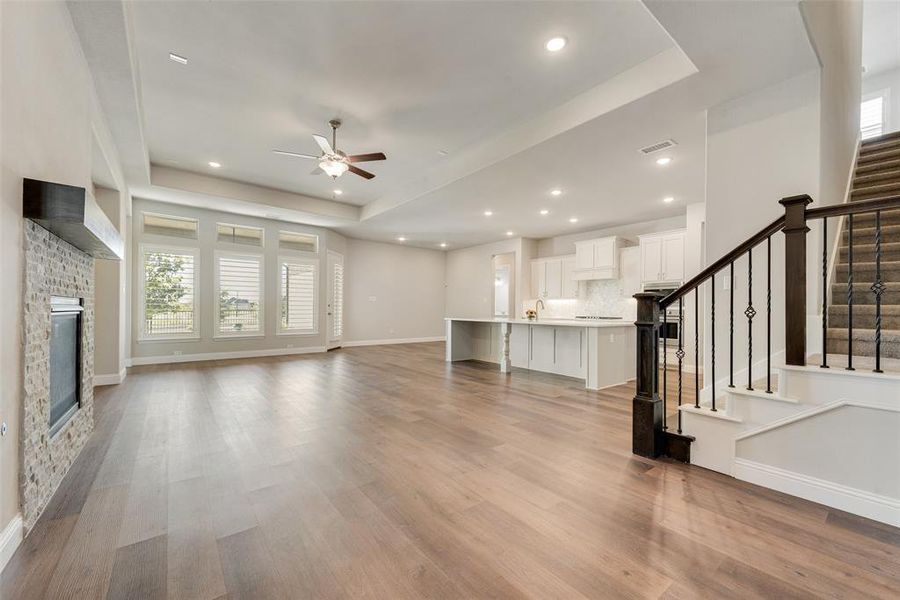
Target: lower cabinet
point(560, 350)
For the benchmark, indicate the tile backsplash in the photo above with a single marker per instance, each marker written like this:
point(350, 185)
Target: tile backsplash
point(603, 297)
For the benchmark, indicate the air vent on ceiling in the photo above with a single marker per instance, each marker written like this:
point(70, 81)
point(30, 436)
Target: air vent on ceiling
point(657, 146)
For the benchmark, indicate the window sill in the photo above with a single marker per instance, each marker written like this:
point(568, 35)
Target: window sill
point(296, 333)
point(239, 336)
point(193, 338)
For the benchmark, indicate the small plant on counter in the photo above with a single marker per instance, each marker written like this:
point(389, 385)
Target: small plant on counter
point(531, 314)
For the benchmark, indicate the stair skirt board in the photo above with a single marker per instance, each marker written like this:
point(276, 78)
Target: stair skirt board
point(851, 500)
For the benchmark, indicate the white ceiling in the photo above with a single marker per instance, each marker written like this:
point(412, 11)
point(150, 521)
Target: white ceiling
point(414, 78)
point(407, 78)
point(881, 35)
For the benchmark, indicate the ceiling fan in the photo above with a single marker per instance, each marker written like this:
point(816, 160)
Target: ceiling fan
point(333, 162)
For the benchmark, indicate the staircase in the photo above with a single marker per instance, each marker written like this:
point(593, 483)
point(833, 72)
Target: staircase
point(877, 176)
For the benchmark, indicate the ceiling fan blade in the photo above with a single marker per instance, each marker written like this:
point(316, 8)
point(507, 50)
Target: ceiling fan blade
point(316, 171)
point(294, 154)
point(360, 172)
point(323, 144)
point(367, 157)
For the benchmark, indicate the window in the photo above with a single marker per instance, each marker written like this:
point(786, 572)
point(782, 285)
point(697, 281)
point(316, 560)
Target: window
point(170, 226)
point(239, 234)
point(168, 284)
point(239, 294)
point(291, 240)
point(338, 308)
point(871, 117)
point(298, 289)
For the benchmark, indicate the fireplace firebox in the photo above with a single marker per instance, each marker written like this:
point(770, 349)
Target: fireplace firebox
point(65, 360)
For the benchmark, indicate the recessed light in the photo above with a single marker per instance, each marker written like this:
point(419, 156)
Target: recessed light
point(488, 213)
point(179, 59)
point(214, 164)
point(509, 233)
point(668, 199)
point(555, 44)
point(545, 212)
point(443, 152)
point(573, 220)
point(338, 192)
point(401, 239)
point(443, 244)
point(556, 192)
point(663, 161)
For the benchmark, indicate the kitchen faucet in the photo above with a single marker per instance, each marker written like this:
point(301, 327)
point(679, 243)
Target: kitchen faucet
point(536, 313)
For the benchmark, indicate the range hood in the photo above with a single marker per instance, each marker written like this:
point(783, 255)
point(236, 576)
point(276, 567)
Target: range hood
point(72, 214)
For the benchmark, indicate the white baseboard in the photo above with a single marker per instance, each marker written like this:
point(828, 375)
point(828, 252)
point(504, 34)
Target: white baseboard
point(10, 538)
point(439, 338)
point(852, 500)
point(182, 358)
point(111, 379)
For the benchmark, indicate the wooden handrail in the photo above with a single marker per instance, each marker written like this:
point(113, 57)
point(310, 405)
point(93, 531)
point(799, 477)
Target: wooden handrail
point(759, 237)
point(854, 208)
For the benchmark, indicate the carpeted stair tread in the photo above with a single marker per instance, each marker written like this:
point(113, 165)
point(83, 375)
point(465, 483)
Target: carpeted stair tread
point(876, 177)
point(890, 251)
point(883, 189)
point(864, 316)
point(863, 294)
point(882, 139)
point(890, 270)
point(877, 166)
point(879, 156)
point(864, 342)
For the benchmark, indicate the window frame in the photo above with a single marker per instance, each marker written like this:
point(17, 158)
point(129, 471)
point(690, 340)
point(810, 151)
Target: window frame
point(260, 258)
point(885, 96)
point(316, 264)
point(293, 251)
point(262, 236)
point(195, 220)
point(143, 336)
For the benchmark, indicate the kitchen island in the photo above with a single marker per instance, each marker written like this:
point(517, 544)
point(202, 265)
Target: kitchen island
point(600, 352)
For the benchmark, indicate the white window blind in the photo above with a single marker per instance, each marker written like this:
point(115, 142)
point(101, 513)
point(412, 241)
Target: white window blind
point(238, 234)
point(168, 293)
point(170, 226)
point(338, 307)
point(871, 117)
point(239, 289)
point(304, 242)
point(298, 295)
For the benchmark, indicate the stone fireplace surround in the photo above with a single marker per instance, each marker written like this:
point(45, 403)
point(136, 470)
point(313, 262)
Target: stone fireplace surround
point(53, 267)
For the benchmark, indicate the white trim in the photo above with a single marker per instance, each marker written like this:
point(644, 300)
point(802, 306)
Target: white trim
point(10, 538)
point(259, 258)
point(110, 379)
point(853, 500)
point(298, 260)
point(194, 251)
point(806, 414)
point(438, 338)
point(758, 370)
point(182, 358)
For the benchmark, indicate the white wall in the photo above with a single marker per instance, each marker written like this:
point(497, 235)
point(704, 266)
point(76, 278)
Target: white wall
point(470, 277)
point(890, 81)
point(761, 148)
point(50, 118)
point(835, 31)
point(110, 298)
point(392, 292)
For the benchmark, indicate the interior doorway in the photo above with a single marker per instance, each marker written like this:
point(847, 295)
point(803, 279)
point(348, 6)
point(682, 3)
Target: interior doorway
point(504, 271)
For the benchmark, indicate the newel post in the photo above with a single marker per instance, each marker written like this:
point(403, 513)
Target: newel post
point(795, 230)
point(647, 409)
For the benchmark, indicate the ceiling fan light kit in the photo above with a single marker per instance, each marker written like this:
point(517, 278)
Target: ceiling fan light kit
point(334, 162)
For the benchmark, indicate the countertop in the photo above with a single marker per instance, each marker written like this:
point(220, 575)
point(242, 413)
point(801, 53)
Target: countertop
point(553, 322)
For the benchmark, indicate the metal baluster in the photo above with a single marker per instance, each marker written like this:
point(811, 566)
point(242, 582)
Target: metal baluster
point(769, 315)
point(680, 354)
point(850, 294)
point(750, 312)
point(878, 289)
point(696, 348)
point(824, 364)
point(731, 324)
point(665, 337)
point(712, 339)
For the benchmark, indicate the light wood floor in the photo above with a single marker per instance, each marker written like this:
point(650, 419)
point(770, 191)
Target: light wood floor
point(383, 472)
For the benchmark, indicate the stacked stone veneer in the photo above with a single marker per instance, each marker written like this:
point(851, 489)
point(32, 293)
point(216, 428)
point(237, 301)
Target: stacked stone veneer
point(53, 267)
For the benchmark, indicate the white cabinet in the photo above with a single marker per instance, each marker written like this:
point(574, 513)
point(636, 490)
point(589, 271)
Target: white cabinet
point(552, 278)
point(559, 350)
point(569, 354)
point(597, 259)
point(543, 348)
point(630, 268)
point(662, 257)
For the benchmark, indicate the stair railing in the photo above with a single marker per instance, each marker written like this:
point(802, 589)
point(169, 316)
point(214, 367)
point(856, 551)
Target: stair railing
point(651, 435)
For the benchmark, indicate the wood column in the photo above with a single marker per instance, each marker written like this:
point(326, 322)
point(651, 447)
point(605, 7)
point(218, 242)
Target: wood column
point(795, 230)
point(647, 410)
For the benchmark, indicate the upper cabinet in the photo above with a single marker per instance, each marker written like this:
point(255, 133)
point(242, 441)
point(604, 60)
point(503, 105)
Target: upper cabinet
point(597, 259)
point(662, 257)
point(551, 278)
